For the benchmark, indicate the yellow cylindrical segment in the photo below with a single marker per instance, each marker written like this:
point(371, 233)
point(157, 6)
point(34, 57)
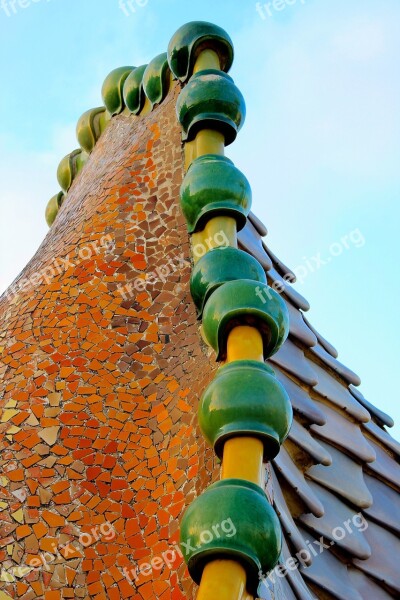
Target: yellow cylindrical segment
point(190, 153)
point(245, 343)
point(208, 59)
point(209, 141)
point(243, 456)
point(222, 231)
point(219, 231)
point(223, 580)
point(243, 459)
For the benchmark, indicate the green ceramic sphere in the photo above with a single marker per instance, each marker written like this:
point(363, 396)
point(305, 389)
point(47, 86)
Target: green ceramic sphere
point(90, 127)
point(53, 207)
point(212, 187)
point(246, 399)
point(245, 302)
point(191, 39)
point(112, 89)
point(133, 93)
point(156, 79)
point(233, 520)
point(219, 266)
point(69, 168)
point(211, 100)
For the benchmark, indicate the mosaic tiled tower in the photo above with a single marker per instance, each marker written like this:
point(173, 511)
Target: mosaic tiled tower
point(113, 416)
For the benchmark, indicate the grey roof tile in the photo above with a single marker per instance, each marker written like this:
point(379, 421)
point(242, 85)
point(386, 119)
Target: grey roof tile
point(383, 436)
point(290, 292)
point(337, 366)
point(301, 436)
point(338, 394)
point(292, 359)
point(385, 466)
point(258, 225)
point(386, 506)
point(330, 574)
point(294, 577)
point(349, 537)
point(366, 586)
point(344, 477)
point(301, 401)
point(288, 525)
point(279, 265)
point(346, 434)
point(324, 343)
point(383, 564)
point(381, 416)
point(298, 327)
point(250, 241)
point(294, 477)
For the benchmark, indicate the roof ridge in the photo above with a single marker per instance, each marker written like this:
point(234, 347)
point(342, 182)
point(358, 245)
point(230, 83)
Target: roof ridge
point(131, 90)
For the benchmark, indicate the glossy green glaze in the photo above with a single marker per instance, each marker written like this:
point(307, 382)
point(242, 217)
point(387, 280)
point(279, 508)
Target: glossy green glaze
point(245, 302)
point(80, 161)
point(190, 40)
point(90, 127)
point(112, 89)
point(246, 399)
point(219, 266)
point(212, 187)
point(156, 79)
point(232, 519)
point(53, 207)
point(69, 167)
point(211, 100)
point(134, 97)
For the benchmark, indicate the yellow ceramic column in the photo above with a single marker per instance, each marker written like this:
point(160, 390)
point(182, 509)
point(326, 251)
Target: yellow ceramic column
point(243, 457)
point(214, 186)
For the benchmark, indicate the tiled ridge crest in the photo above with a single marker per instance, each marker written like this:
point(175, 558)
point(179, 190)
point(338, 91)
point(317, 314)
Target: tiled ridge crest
point(245, 413)
point(126, 90)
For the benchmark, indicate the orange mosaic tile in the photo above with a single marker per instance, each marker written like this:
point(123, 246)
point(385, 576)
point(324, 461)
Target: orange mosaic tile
point(106, 454)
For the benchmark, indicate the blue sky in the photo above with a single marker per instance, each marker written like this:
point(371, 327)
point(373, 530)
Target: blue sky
point(321, 143)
